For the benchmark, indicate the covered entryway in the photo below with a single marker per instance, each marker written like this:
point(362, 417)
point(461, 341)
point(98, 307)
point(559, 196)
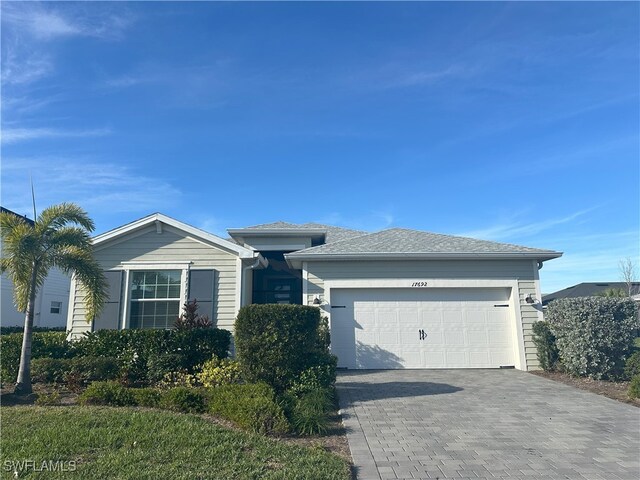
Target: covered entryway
point(387, 328)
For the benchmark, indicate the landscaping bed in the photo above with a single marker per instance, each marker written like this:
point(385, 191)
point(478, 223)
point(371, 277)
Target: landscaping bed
point(614, 390)
point(137, 443)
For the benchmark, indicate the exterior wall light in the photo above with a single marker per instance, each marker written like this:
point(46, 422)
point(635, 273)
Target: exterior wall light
point(530, 299)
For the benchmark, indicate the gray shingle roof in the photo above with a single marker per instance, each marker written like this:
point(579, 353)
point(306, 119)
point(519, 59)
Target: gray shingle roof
point(402, 241)
point(332, 233)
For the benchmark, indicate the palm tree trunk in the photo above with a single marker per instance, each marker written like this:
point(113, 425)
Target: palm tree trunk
point(23, 383)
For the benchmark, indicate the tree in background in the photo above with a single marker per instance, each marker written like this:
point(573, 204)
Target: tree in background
point(629, 275)
point(59, 237)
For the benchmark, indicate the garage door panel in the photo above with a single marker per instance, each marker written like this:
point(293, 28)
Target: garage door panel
point(463, 328)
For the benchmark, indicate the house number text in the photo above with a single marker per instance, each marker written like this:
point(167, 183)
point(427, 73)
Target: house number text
point(419, 284)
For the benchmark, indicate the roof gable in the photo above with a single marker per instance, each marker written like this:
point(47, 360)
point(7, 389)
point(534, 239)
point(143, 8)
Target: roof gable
point(159, 218)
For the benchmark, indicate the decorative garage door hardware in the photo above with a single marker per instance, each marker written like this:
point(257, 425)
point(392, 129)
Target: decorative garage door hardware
point(338, 306)
point(422, 334)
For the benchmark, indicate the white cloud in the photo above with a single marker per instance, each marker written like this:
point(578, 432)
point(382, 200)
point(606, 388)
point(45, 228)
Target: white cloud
point(15, 135)
point(522, 227)
point(48, 21)
point(100, 187)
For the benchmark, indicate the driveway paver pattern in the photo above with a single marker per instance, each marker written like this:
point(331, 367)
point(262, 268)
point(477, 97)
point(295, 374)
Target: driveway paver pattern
point(484, 424)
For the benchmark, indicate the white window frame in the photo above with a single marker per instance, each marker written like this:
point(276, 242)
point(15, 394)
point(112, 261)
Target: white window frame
point(129, 267)
point(58, 306)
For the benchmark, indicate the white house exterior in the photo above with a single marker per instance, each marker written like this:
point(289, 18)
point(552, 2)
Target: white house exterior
point(394, 299)
point(52, 301)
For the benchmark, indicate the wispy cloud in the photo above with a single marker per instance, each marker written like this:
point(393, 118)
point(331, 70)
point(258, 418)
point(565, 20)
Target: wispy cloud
point(100, 187)
point(520, 227)
point(15, 135)
point(48, 21)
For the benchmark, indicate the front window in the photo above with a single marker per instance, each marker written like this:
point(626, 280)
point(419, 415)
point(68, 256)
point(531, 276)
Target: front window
point(56, 307)
point(155, 298)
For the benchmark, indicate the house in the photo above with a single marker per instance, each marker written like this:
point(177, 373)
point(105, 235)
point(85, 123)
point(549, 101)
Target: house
point(51, 301)
point(589, 289)
point(396, 298)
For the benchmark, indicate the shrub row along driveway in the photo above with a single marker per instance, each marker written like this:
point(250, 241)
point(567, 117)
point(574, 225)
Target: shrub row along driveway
point(484, 424)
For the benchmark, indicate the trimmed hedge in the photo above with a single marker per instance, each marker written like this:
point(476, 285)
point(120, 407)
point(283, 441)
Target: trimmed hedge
point(84, 370)
point(632, 366)
point(275, 343)
point(183, 399)
point(252, 406)
point(43, 344)
point(107, 393)
point(545, 341)
point(194, 346)
point(20, 329)
point(139, 352)
point(594, 335)
point(634, 387)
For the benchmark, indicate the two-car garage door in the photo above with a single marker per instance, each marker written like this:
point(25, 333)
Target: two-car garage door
point(422, 328)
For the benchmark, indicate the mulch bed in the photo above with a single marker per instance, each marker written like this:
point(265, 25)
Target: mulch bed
point(614, 390)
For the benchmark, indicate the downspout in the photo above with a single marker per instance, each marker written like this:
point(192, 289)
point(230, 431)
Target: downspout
point(540, 265)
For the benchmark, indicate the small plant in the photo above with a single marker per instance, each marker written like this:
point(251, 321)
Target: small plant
point(251, 406)
point(634, 387)
point(181, 378)
point(190, 318)
point(107, 393)
point(316, 377)
point(159, 365)
point(48, 399)
point(309, 415)
point(147, 397)
point(632, 366)
point(183, 399)
point(545, 342)
point(216, 372)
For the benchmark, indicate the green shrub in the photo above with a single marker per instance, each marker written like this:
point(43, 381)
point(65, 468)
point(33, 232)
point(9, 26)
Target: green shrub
point(159, 365)
point(310, 411)
point(183, 399)
point(545, 342)
point(49, 370)
point(218, 371)
point(107, 393)
point(634, 387)
point(594, 335)
point(319, 376)
point(252, 406)
point(146, 397)
point(275, 343)
point(48, 399)
point(82, 370)
point(44, 345)
point(632, 366)
point(181, 378)
point(20, 329)
point(135, 348)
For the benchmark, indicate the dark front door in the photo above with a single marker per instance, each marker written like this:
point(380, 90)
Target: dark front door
point(277, 283)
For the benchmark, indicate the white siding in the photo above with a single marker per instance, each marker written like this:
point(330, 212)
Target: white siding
point(54, 289)
point(171, 245)
point(522, 271)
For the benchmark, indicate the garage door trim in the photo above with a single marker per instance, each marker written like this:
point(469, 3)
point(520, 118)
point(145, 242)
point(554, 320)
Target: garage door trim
point(431, 283)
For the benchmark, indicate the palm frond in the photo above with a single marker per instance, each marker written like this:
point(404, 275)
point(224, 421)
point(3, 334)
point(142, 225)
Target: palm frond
point(69, 237)
point(88, 274)
point(58, 216)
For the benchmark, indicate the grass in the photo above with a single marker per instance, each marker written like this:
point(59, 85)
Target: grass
point(128, 443)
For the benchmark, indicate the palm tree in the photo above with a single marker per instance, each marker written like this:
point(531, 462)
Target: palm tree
point(59, 237)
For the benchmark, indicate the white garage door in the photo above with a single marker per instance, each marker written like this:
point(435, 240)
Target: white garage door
point(422, 328)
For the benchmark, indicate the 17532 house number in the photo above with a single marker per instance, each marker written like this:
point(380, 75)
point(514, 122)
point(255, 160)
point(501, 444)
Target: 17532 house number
point(419, 284)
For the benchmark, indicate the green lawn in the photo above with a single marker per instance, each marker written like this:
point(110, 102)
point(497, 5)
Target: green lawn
point(127, 443)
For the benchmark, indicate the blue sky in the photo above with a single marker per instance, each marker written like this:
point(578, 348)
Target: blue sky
point(514, 122)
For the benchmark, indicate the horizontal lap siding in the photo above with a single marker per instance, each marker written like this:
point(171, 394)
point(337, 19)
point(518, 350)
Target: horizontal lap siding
point(171, 246)
point(521, 270)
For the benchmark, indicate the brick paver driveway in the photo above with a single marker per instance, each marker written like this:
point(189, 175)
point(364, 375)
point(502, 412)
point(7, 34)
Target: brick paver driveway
point(485, 424)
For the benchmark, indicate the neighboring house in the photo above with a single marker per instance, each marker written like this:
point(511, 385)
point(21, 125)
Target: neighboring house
point(589, 289)
point(394, 299)
point(51, 302)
